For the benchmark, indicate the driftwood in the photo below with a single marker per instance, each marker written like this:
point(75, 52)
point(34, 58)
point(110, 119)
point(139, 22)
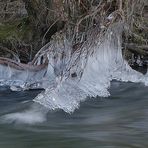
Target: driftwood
point(21, 66)
point(31, 66)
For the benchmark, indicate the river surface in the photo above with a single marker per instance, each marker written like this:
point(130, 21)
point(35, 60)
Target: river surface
point(119, 121)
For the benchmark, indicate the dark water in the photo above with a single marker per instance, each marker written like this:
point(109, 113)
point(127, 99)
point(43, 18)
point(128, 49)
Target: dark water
point(120, 121)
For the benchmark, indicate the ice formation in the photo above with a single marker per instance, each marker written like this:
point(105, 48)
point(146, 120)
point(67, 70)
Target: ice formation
point(102, 66)
point(72, 77)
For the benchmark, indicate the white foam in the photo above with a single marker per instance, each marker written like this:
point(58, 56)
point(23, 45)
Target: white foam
point(36, 114)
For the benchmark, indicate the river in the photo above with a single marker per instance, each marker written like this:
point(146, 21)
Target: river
point(118, 121)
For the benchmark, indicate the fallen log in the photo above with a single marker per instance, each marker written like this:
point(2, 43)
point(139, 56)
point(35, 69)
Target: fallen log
point(21, 66)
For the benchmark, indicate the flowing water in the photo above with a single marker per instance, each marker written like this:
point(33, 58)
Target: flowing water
point(118, 121)
point(69, 113)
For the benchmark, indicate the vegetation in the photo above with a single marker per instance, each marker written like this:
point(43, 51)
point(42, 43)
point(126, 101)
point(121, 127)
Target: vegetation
point(75, 19)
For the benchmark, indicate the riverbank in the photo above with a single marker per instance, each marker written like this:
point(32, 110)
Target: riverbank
point(26, 26)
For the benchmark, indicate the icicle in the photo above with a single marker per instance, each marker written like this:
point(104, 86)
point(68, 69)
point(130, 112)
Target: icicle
point(72, 76)
point(105, 64)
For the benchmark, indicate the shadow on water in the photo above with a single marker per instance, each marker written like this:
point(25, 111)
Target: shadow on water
point(119, 121)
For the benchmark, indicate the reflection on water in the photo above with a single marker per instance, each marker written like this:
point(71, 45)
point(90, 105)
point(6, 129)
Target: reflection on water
point(120, 121)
